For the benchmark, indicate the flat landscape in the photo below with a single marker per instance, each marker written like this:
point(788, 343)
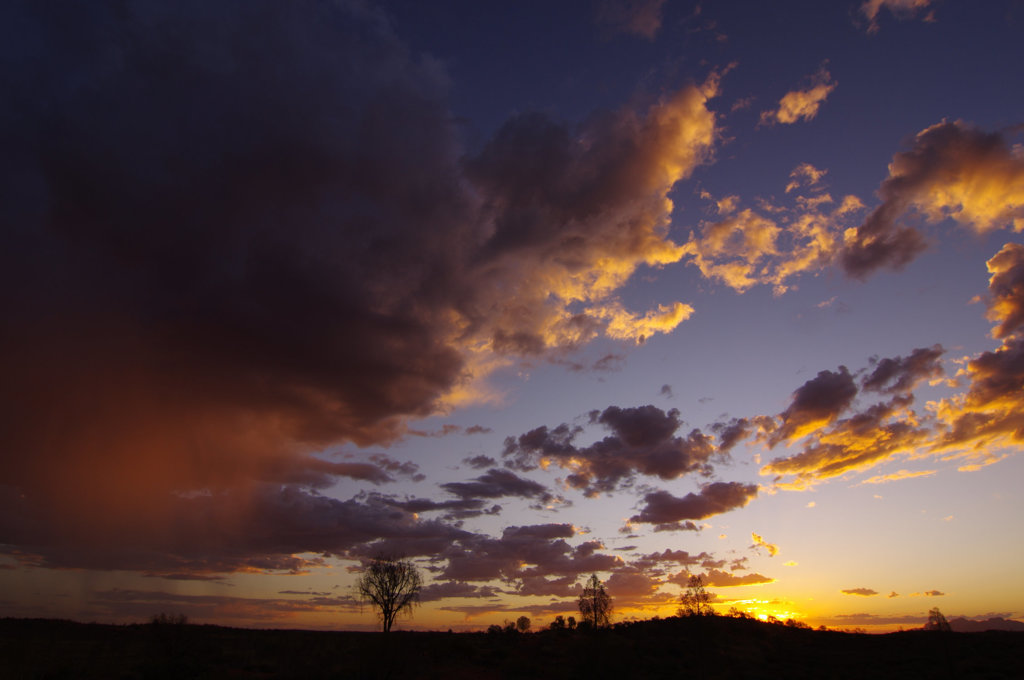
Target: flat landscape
point(715, 647)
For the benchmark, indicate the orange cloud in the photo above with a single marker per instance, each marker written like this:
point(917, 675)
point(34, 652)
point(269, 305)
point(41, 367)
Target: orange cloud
point(1006, 290)
point(801, 104)
point(954, 171)
point(748, 248)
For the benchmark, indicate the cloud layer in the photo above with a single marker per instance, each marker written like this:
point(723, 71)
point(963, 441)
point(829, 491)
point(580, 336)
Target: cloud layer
point(248, 232)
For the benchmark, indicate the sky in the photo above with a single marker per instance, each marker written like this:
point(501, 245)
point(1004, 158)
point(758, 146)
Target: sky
point(519, 291)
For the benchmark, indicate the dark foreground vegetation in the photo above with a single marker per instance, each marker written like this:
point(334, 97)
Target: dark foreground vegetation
point(694, 647)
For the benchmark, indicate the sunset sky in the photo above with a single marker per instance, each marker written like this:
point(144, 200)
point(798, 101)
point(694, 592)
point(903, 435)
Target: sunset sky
point(522, 291)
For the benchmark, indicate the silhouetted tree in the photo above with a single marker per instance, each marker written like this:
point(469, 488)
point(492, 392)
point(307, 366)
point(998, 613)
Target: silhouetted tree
point(595, 604)
point(558, 623)
point(570, 623)
point(936, 621)
point(523, 624)
point(696, 600)
point(392, 586)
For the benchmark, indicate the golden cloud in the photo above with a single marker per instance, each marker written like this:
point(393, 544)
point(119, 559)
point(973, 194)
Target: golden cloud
point(772, 549)
point(954, 171)
point(801, 104)
point(895, 476)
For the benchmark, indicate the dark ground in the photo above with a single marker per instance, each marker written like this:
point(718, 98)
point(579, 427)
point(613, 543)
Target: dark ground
point(714, 647)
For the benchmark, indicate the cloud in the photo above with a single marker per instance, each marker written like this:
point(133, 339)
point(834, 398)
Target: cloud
point(268, 529)
point(1005, 299)
point(499, 483)
point(682, 557)
point(861, 441)
point(899, 8)
point(447, 589)
point(774, 243)
point(804, 175)
point(480, 462)
point(642, 441)
point(988, 415)
point(733, 432)
point(896, 476)
point(816, 403)
point(723, 579)
point(901, 375)
point(661, 507)
point(743, 240)
point(865, 592)
point(772, 549)
point(526, 557)
point(953, 171)
point(636, 17)
point(801, 104)
point(199, 302)
point(462, 508)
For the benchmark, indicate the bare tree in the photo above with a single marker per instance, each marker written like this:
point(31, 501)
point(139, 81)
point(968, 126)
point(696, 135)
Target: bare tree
point(696, 600)
point(392, 586)
point(595, 604)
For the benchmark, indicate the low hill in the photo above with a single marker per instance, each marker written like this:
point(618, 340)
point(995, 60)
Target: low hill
point(962, 625)
point(698, 647)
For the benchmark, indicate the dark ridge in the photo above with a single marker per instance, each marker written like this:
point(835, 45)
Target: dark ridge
point(694, 647)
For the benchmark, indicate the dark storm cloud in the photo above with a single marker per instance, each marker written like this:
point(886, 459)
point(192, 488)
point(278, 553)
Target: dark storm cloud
point(661, 507)
point(210, 535)
point(240, 232)
point(902, 374)
point(954, 170)
point(208, 269)
point(642, 442)
point(816, 403)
